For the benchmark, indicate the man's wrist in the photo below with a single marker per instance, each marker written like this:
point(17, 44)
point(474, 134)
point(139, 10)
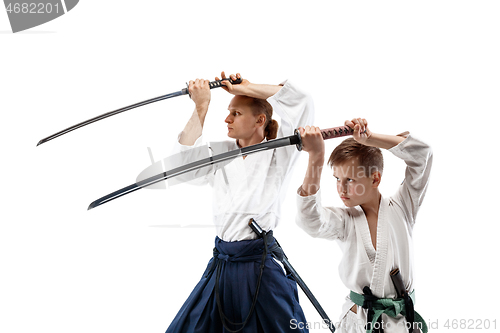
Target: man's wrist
point(246, 89)
point(202, 109)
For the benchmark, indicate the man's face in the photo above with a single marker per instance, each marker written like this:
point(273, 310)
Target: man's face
point(241, 122)
point(353, 186)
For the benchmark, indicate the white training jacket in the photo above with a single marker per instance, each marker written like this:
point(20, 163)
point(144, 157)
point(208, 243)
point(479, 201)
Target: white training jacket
point(361, 264)
point(254, 187)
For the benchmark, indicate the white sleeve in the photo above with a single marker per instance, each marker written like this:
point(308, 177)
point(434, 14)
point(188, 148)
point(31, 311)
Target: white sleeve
point(418, 158)
point(319, 221)
point(183, 155)
point(295, 108)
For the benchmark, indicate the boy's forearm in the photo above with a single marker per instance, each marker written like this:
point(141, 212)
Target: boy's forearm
point(312, 180)
point(384, 140)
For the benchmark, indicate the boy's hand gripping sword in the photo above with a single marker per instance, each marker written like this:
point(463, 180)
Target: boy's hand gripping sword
point(272, 144)
point(290, 270)
point(185, 91)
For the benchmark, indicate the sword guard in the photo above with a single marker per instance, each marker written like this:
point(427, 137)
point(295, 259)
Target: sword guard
point(299, 139)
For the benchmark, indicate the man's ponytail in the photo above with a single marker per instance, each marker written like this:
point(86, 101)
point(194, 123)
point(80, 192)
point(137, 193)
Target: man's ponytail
point(261, 106)
point(271, 130)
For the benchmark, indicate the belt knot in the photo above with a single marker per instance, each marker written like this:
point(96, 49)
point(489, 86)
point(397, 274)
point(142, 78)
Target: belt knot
point(224, 257)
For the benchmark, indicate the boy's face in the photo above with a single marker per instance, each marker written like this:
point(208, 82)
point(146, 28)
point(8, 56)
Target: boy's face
point(353, 186)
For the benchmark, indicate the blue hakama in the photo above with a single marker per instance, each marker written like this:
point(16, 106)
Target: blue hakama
point(277, 305)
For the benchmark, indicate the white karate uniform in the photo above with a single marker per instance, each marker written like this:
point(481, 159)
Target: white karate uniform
point(361, 264)
point(254, 187)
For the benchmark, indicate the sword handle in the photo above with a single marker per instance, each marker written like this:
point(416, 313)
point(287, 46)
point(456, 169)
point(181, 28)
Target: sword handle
point(336, 132)
point(213, 84)
point(328, 133)
point(218, 83)
point(398, 282)
point(255, 227)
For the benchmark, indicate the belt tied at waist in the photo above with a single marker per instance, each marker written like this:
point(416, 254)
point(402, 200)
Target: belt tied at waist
point(250, 253)
point(391, 307)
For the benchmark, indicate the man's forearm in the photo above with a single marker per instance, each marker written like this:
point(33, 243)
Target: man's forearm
point(193, 129)
point(262, 91)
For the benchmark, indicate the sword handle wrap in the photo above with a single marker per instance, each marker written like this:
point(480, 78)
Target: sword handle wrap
point(213, 84)
point(218, 83)
point(336, 132)
point(328, 133)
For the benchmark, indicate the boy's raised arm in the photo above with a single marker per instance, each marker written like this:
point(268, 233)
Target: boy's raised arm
point(364, 136)
point(313, 143)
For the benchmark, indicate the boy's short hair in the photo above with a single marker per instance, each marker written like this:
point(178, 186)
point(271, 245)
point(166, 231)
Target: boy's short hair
point(369, 158)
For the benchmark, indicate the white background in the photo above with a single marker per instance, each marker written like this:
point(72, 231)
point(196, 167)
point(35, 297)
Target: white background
point(430, 67)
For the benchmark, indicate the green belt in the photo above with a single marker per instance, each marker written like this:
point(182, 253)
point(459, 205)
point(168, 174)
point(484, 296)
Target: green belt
point(389, 306)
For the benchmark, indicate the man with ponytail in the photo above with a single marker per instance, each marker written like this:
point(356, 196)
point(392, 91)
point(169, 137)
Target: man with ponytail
point(243, 289)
